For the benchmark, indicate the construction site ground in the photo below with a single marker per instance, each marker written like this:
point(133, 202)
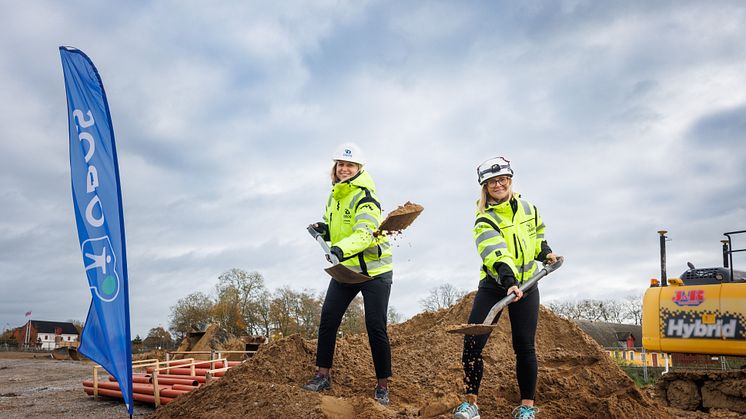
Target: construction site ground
point(577, 379)
point(44, 388)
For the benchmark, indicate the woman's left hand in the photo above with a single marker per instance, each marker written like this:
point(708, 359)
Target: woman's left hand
point(517, 291)
point(551, 259)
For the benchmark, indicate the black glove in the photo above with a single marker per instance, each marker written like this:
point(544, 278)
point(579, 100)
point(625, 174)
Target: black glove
point(336, 251)
point(322, 229)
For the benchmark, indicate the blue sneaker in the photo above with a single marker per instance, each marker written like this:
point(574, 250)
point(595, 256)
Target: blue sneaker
point(466, 410)
point(524, 412)
point(382, 395)
point(319, 383)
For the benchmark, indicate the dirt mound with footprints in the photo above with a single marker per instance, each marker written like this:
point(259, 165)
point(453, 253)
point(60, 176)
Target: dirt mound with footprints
point(576, 378)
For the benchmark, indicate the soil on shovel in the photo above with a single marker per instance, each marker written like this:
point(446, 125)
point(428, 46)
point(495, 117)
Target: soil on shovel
point(576, 377)
point(400, 218)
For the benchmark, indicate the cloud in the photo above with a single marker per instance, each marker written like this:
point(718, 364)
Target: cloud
point(620, 120)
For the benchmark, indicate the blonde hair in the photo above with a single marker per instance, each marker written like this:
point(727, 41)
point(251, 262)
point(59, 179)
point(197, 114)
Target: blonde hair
point(334, 177)
point(485, 199)
point(483, 196)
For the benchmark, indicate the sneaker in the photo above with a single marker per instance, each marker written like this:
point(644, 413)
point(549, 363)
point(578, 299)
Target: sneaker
point(382, 395)
point(524, 412)
point(466, 410)
point(319, 383)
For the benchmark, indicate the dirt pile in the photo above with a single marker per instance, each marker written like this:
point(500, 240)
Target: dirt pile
point(576, 378)
point(213, 338)
point(704, 390)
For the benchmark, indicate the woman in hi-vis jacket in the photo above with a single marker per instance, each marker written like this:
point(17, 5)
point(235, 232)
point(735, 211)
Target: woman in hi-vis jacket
point(352, 215)
point(509, 235)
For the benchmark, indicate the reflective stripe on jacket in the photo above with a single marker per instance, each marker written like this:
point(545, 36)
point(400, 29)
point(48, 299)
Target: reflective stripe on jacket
point(353, 214)
point(512, 233)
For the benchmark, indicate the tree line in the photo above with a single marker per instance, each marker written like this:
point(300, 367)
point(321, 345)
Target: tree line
point(242, 305)
point(627, 310)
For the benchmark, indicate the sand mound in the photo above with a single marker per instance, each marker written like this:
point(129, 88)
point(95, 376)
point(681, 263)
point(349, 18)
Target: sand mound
point(212, 338)
point(576, 378)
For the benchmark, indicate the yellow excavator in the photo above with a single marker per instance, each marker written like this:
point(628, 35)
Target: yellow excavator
point(701, 312)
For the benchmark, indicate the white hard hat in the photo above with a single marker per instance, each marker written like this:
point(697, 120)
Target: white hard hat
point(494, 167)
point(349, 152)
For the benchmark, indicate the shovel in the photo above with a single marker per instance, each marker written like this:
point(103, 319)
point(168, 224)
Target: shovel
point(486, 326)
point(337, 271)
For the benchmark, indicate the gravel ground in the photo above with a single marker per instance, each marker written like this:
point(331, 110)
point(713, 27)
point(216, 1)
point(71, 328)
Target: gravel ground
point(45, 388)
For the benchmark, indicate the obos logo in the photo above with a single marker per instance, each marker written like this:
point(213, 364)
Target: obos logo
point(348, 152)
point(689, 298)
point(100, 265)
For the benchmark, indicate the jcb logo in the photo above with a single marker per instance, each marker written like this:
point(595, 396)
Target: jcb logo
point(689, 298)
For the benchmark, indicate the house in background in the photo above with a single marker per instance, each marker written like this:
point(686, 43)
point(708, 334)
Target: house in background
point(622, 342)
point(46, 335)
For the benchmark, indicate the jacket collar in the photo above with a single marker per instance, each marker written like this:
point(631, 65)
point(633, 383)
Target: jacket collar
point(362, 180)
point(508, 207)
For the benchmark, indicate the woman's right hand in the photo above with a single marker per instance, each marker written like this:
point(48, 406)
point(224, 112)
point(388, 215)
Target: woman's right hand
point(517, 291)
point(321, 228)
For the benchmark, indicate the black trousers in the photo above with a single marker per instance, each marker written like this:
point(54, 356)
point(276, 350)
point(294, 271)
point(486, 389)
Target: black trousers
point(524, 317)
point(376, 301)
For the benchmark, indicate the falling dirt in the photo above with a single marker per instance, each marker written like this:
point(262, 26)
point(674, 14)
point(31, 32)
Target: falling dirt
point(576, 378)
point(399, 219)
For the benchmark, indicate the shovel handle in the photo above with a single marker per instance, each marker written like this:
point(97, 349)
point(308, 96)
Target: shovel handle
point(320, 239)
point(546, 270)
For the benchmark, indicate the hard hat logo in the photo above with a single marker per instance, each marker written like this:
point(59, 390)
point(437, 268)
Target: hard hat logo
point(494, 167)
point(349, 152)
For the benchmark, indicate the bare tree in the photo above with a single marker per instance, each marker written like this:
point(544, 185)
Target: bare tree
point(238, 295)
point(632, 309)
point(393, 315)
point(308, 314)
point(158, 338)
point(564, 309)
point(354, 319)
point(263, 325)
point(281, 311)
point(610, 311)
point(441, 297)
point(193, 310)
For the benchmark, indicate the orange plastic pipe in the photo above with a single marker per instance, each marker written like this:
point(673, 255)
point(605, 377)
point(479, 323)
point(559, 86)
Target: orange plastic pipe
point(136, 396)
point(198, 378)
point(171, 381)
point(136, 387)
point(188, 371)
point(182, 387)
point(219, 364)
point(143, 379)
point(173, 393)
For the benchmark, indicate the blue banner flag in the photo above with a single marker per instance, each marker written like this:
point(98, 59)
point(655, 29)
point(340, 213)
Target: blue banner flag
point(97, 201)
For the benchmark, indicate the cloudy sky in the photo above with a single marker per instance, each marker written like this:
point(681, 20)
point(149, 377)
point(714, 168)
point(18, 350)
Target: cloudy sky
point(620, 119)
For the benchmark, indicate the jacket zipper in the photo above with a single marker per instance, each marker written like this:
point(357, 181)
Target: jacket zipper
point(517, 244)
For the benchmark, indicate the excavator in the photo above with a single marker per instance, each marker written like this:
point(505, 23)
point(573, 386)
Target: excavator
point(701, 312)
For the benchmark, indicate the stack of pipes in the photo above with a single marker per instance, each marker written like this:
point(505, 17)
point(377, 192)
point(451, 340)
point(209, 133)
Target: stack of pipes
point(160, 384)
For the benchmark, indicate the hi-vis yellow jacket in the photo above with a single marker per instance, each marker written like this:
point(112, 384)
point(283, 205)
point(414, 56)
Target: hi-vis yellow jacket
point(511, 233)
point(352, 215)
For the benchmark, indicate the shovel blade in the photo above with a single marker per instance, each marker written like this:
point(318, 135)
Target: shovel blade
point(471, 329)
point(345, 275)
